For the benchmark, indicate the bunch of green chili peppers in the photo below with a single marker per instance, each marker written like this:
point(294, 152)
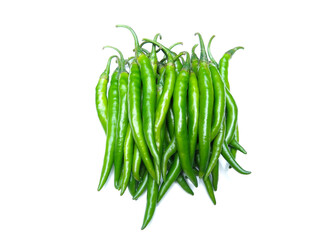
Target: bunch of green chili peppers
point(167, 121)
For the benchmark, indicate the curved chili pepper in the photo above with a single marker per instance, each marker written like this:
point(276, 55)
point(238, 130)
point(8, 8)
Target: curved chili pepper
point(209, 188)
point(148, 100)
point(219, 95)
point(128, 154)
point(136, 162)
point(180, 120)
point(152, 196)
point(170, 122)
point(113, 108)
point(101, 95)
point(206, 108)
point(184, 185)
point(216, 149)
point(172, 176)
point(165, 98)
point(194, 60)
point(142, 186)
point(122, 123)
point(229, 158)
point(232, 116)
point(235, 143)
point(135, 120)
point(169, 151)
point(224, 65)
point(193, 111)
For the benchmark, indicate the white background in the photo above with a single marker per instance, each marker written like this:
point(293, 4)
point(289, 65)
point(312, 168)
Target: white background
point(52, 144)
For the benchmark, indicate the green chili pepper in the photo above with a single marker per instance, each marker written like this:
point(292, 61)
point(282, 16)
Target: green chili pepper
point(135, 120)
point(101, 95)
point(216, 149)
point(136, 162)
point(229, 158)
point(169, 151)
point(224, 65)
point(209, 188)
point(122, 123)
point(172, 176)
point(194, 60)
point(180, 120)
point(215, 176)
point(219, 95)
point(112, 121)
point(206, 108)
point(193, 111)
point(153, 55)
point(170, 122)
point(184, 185)
point(148, 101)
point(142, 186)
point(235, 142)
point(152, 196)
point(132, 185)
point(128, 154)
point(165, 98)
point(232, 116)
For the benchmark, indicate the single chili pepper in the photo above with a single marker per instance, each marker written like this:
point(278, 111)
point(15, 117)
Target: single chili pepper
point(224, 65)
point(209, 188)
point(148, 101)
point(128, 154)
point(216, 149)
point(206, 108)
point(235, 143)
point(101, 95)
point(122, 123)
point(152, 196)
point(113, 108)
point(135, 120)
point(184, 185)
point(219, 95)
point(172, 176)
point(167, 137)
point(227, 155)
point(136, 162)
point(165, 98)
point(233, 150)
point(193, 111)
point(232, 116)
point(169, 151)
point(215, 176)
point(180, 119)
point(132, 185)
point(142, 186)
point(153, 55)
point(194, 60)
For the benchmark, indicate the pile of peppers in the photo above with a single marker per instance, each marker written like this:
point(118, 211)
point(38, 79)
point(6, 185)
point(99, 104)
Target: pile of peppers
point(167, 120)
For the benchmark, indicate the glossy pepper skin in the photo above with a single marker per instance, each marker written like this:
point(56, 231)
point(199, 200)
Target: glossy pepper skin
point(132, 185)
point(206, 108)
point(168, 152)
point(142, 186)
point(232, 116)
point(184, 185)
point(219, 95)
point(113, 109)
point(180, 120)
point(209, 188)
point(153, 55)
point(215, 176)
point(136, 162)
point(122, 123)
point(135, 119)
point(172, 176)
point(152, 196)
point(166, 95)
point(216, 149)
point(148, 100)
point(101, 95)
point(128, 155)
point(193, 111)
